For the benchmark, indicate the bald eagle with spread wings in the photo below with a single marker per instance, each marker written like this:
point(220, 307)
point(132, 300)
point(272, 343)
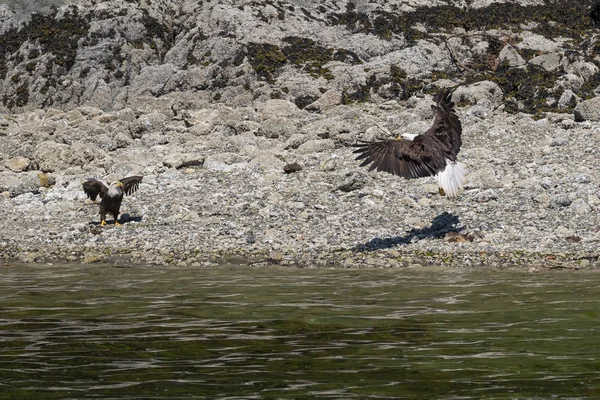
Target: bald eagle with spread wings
point(432, 153)
point(112, 195)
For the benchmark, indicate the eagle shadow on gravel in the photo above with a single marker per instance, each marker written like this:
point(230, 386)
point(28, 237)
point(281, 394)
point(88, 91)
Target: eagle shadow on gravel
point(440, 226)
point(124, 218)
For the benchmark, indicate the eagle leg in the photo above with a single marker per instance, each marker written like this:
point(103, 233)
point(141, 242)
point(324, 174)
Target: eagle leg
point(102, 216)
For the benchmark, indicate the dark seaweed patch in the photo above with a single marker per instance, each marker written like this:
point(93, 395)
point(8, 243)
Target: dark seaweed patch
point(566, 18)
point(303, 101)
point(360, 94)
point(526, 89)
point(58, 37)
point(266, 59)
point(309, 55)
point(304, 53)
point(595, 15)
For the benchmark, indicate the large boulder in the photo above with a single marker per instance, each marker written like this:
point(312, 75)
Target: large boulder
point(17, 184)
point(485, 93)
point(51, 156)
point(588, 110)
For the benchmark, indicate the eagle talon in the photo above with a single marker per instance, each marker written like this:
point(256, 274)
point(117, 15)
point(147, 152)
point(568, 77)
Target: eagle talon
point(117, 223)
point(103, 222)
point(441, 192)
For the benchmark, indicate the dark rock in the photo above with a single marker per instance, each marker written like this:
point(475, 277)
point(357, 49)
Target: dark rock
point(353, 181)
point(291, 168)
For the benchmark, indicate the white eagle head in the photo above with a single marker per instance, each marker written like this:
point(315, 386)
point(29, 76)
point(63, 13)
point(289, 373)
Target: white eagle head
point(115, 189)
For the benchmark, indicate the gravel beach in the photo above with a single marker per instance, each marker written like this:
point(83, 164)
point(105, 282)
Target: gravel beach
point(209, 102)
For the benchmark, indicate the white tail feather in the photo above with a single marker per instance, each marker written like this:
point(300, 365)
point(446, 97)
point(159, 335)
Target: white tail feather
point(452, 179)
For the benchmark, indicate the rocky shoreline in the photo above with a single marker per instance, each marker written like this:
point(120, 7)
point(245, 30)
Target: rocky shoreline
point(211, 113)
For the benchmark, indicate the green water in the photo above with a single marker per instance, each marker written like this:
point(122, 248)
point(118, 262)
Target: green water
point(74, 332)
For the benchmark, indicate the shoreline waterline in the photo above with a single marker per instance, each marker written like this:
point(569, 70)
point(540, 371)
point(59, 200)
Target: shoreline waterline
point(344, 259)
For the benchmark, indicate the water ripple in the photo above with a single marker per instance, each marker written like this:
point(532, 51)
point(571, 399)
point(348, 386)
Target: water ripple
point(234, 332)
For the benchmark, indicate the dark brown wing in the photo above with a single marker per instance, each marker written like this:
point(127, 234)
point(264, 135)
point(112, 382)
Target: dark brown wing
point(131, 184)
point(93, 188)
point(409, 159)
point(426, 154)
point(446, 126)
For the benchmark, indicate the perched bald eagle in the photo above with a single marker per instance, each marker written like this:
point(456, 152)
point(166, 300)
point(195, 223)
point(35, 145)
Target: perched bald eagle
point(432, 153)
point(111, 195)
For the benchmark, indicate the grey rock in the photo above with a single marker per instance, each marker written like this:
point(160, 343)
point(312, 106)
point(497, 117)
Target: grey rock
point(509, 55)
point(583, 69)
point(266, 162)
point(91, 112)
point(550, 61)
point(484, 177)
point(579, 206)
point(486, 196)
point(316, 146)
point(51, 156)
point(149, 123)
point(18, 164)
point(17, 184)
point(183, 160)
point(155, 80)
point(328, 100)
point(7, 18)
point(567, 98)
point(588, 110)
point(485, 93)
point(329, 165)
point(202, 121)
point(559, 201)
point(276, 127)
point(534, 41)
point(352, 181)
point(122, 140)
point(570, 82)
point(225, 162)
point(297, 139)
point(154, 139)
point(278, 108)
